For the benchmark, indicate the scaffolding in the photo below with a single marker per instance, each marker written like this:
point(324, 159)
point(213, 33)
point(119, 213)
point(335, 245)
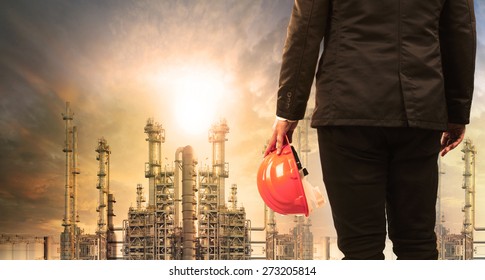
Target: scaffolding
point(89, 247)
point(303, 239)
point(208, 217)
point(139, 235)
point(167, 239)
point(235, 241)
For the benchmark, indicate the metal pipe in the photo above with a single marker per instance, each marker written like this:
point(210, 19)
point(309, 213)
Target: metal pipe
point(178, 168)
point(75, 172)
point(217, 136)
point(47, 245)
point(188, 203)
point(74, 211)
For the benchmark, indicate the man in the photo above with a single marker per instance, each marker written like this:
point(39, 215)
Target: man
point(394, 78)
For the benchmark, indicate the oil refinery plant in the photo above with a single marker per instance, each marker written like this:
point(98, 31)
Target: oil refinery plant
point(185, 217)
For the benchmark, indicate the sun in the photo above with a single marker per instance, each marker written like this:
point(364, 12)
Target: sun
point(198, 96)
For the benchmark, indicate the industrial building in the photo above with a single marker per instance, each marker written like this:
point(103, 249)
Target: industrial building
point(186, 215)
point(28, 247)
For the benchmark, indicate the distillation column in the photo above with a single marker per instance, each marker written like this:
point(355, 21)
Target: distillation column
point(469, 187)
point(67, 236)
point(111, 238)
point(103, 157)
point(188, 203)
point(155, 137)
point(217, 136)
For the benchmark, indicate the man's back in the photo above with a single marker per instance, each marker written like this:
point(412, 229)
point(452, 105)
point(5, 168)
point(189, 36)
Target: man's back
point(385, 62)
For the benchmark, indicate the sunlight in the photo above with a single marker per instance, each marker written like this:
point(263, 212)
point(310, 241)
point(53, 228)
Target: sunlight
point(197, 99)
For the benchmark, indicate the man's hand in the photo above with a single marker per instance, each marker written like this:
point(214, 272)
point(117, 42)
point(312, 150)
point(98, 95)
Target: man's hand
point(281, 130)
point(452, 137)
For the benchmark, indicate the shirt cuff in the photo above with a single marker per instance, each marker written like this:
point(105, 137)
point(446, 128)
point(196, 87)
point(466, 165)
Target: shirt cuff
point(285, 120)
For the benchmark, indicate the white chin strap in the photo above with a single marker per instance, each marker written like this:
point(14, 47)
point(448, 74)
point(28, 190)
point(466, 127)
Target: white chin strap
point(313, 195)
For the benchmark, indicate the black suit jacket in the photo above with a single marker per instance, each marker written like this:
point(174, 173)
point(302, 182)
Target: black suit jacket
point(388, 63)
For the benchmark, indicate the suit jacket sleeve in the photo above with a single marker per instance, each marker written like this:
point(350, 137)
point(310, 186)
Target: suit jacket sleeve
point(300, 55)
point(458, 51)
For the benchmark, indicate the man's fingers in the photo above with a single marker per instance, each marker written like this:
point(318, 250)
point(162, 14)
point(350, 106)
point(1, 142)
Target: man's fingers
point(279, 143)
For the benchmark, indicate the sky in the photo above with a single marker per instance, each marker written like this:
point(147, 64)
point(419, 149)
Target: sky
point(186, 64)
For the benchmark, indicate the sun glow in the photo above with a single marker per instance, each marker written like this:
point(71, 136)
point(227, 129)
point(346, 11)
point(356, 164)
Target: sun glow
point(198, 97)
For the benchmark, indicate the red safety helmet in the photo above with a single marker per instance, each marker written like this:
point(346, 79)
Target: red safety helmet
point(281, 183)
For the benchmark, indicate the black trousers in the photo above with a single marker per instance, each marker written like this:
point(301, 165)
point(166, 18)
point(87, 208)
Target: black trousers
point(382, 178)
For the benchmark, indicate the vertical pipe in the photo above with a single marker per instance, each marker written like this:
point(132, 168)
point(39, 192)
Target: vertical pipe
point(103, 151)
point(155, 137)
point(67, 242)
point(468, 150)
point(74, 210)
point(217, 136)
point(111, 242)
point(47, 245)
point(188, 203)
point(178, 168)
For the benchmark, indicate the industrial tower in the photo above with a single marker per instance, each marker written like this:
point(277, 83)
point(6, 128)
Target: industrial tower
point(155, 137)
point(69, 237)
point(105, 230)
